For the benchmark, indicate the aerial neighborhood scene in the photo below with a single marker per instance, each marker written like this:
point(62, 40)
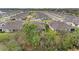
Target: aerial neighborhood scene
point(39, 29)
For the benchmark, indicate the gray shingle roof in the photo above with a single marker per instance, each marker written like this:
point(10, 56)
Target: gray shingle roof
point(19, 16)
point(1, 25)
point(41, 16)
point(13, 25)
point(72, 19)
point(57, 25)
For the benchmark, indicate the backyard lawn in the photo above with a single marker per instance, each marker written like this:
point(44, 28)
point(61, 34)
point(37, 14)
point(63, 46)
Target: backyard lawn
point(5, 36)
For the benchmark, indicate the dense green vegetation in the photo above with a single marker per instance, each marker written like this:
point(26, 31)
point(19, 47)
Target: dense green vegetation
point(37, 39)
point(4, 36)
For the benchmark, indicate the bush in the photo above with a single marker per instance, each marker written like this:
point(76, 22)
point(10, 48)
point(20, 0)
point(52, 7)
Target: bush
point(31, 34)
point(43, 40)
point(71, 40)
point(13, 45)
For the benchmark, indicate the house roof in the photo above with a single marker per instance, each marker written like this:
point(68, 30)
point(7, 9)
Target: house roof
point(57, 25)
point(19, 16)
point(13, 25)
point(41, 16)
point(1, 24)
point(73, 19)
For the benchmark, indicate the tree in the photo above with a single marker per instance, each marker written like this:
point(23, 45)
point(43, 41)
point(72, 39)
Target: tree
point(71, 40)
point(31, 34)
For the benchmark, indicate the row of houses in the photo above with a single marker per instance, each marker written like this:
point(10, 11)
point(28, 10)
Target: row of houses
point(68, 24)
point(14, 23)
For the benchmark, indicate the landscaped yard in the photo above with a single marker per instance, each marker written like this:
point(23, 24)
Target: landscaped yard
point(4, 36)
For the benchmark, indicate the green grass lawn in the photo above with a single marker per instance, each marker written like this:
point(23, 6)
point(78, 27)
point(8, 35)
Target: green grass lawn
point(4, 36)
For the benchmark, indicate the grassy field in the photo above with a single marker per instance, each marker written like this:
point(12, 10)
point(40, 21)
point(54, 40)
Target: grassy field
point(6, 36)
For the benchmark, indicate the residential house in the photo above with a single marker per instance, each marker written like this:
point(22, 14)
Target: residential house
point(20, 16)
point(60, 26)
point(11, 26)
point(72, 19)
